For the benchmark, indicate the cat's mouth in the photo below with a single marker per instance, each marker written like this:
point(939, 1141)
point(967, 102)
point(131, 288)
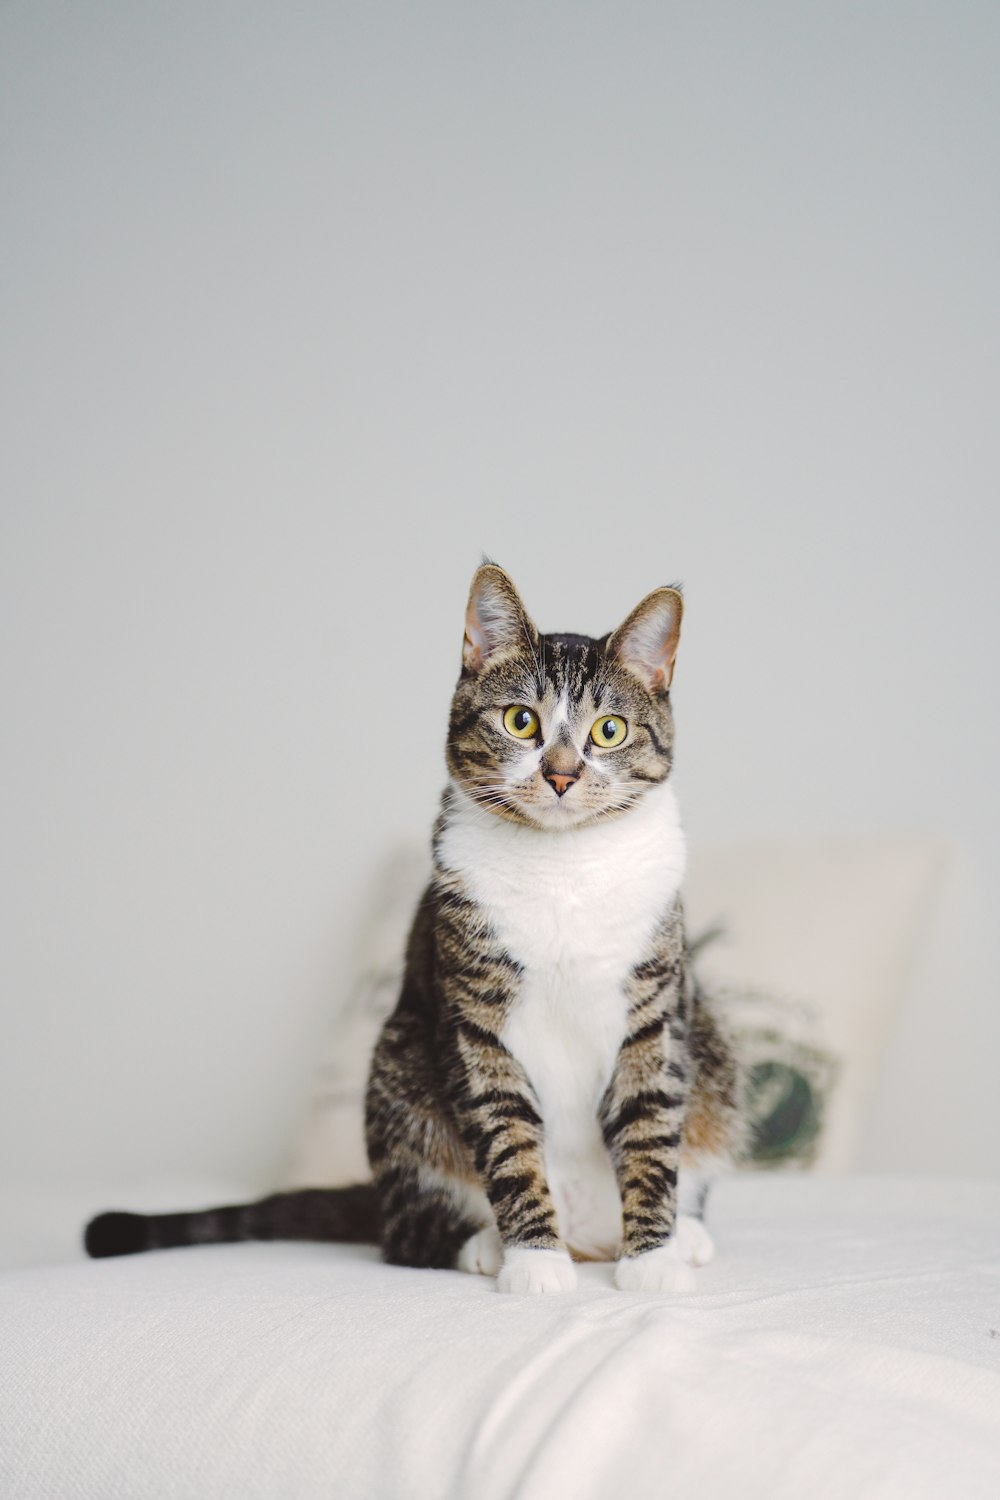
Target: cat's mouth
point(574, 806)
point(537, 804)
point(556, 815)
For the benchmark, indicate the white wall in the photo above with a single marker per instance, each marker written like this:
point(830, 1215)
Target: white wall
point(304, 305)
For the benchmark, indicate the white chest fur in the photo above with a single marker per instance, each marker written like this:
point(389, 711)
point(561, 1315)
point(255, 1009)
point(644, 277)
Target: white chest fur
point(577, 909)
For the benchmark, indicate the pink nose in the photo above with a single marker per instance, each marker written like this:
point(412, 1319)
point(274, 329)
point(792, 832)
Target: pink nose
point(562, 784)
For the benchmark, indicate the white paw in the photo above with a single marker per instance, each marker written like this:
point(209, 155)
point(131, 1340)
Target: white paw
point(536, 1271)
point(694, 1243)
point(659, 1270)
point(482, 1253)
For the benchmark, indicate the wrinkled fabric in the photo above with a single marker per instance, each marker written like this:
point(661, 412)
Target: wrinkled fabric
point(845, 1343)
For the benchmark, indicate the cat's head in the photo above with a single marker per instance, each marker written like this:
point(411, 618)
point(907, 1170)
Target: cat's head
point(555, 731)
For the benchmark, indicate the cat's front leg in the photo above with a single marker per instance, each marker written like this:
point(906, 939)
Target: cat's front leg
point(643, 1136)
point(501, 1123)
point(494, 1105)
point(642, 1118)
point(504, 1123)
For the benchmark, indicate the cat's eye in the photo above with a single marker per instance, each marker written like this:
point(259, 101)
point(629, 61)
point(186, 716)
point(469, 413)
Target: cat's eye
point(521, 722)
point(609, 731)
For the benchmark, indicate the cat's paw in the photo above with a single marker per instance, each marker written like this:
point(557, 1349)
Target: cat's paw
point(482, 1254)
point(536, 1271)
point(659, 1270)
point(694, 1243)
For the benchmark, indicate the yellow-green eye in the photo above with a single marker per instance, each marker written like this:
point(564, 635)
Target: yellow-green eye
point(521, 722)
point(609, 731)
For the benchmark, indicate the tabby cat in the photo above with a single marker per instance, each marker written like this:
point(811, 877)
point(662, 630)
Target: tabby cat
point(552, 1084)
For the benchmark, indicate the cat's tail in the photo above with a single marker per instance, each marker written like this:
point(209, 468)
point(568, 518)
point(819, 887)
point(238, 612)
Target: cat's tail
point(347, 1214)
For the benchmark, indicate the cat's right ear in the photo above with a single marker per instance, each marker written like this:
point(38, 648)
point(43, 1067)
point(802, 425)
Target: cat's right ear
point(495, 619)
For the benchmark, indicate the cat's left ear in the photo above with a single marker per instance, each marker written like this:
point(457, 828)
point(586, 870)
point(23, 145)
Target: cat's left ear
point(647, 642)
point(495, 619)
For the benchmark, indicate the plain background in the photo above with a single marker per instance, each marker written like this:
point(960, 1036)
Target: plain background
point(306, 305)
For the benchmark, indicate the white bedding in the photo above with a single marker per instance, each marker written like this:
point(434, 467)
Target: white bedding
point(846, 1342)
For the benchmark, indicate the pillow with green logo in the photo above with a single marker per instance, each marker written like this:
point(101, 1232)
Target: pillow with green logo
point(806, 948)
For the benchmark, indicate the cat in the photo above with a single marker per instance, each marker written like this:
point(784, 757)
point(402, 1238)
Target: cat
point(552, 1085)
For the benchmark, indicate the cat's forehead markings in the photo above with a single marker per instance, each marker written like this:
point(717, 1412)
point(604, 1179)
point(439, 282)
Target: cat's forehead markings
point(560, 714)
point(571, 662)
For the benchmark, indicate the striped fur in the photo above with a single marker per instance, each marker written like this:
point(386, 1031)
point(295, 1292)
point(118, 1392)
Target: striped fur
point(551, 1081)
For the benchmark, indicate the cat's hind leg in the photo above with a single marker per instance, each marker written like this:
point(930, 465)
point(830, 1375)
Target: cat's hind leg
point(433, 1222)
point(482, 1253)
point(694, 1242)
point(713, 1131)
point(433, 1212)
point(695, 1245)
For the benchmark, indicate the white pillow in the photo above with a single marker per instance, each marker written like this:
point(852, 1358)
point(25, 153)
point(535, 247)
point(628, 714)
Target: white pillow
point(807, 950)
point(330, 1148)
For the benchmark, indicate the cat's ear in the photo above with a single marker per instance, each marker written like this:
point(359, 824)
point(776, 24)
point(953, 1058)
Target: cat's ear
point(495, 618)
point(647, 642)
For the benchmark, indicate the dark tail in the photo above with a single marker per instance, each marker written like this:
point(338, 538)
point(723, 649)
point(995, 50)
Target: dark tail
point(348, 1215)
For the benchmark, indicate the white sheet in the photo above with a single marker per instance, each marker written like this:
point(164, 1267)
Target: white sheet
point(846, 1343)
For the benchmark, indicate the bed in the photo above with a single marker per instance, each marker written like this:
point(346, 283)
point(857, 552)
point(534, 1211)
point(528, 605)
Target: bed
point(845, 1342)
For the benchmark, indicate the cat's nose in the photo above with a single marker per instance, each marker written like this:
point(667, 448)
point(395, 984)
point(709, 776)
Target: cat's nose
point(560, 783)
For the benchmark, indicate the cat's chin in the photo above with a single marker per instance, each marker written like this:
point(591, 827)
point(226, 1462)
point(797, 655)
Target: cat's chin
point(548, 813)
point(559, 816)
